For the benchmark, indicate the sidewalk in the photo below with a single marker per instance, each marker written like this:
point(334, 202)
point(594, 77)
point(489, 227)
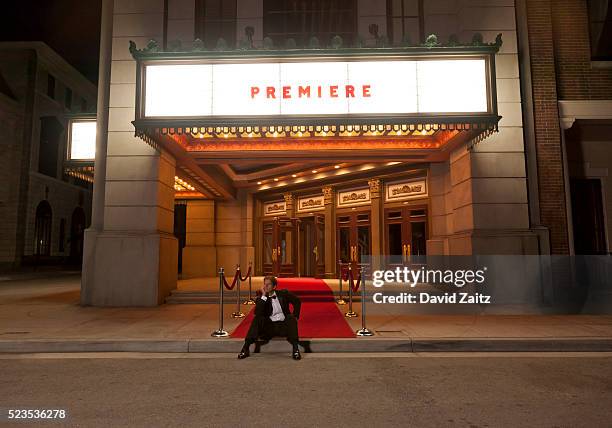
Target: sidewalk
point(44, 315)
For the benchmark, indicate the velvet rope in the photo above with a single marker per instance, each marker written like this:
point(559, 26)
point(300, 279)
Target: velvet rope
point(248, 274)
point(234, 281)
point(348, 276)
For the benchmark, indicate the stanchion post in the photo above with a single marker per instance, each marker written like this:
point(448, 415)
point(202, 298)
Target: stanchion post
point(249, 300)
point(220, 332)
point(350, 313)
point(363, 331)
point(340, 300)
point(238, 313)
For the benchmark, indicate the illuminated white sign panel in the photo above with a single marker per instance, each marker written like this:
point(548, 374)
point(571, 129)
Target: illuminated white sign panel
point(316, 88)
point(83, 140)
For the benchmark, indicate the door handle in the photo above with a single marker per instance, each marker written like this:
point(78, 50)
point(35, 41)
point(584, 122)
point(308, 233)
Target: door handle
point(278, 253)
point(315, 250)
point(404, 253)
point(274, 255)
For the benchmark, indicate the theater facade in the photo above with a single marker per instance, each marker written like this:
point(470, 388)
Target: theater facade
point(298, 156)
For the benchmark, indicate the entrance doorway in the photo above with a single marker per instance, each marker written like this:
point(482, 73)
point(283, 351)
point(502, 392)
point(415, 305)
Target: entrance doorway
point(311, 258)
point(588, 216)
point(280, 247)
point(405, 233)
point(354, 238)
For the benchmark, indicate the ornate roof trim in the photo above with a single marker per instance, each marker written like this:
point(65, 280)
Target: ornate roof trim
point(153, 51)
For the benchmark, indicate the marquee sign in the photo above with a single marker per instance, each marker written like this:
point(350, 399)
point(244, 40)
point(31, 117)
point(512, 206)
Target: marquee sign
point(289, 88)
point(81, 139)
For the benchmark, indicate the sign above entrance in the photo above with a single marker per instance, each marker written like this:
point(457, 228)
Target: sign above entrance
point(351, 198)
point(406, 190)
point(311, 203)
point(277, 88)
point(274, 208)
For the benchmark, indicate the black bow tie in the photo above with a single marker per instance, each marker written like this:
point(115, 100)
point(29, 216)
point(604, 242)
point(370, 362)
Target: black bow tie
point(273, 297)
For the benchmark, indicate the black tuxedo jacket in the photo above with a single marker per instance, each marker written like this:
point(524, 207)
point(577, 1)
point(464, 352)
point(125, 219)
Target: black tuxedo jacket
point(285, 297)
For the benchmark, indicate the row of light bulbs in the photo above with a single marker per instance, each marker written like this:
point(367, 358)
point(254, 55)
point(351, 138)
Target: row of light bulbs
point(182, 185)
point(314, 171)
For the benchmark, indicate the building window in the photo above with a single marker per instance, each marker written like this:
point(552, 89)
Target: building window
point(50, 86)
point(68, 98)
point(216, 19)
point(48, 148)
point(42, 229)
point(405, 21)
point(600, 26)
point(302, 19)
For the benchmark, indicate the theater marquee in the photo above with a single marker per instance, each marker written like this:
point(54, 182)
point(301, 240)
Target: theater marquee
point(431, 86)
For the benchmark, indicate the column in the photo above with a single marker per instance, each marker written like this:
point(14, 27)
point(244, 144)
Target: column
point(376, 222)
point(329, 194)
point(200, 252)
point(234, 231)
point(133, 261)
point(289, 205)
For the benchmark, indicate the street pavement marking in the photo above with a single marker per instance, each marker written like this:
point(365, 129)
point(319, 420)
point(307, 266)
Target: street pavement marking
point(277, 355)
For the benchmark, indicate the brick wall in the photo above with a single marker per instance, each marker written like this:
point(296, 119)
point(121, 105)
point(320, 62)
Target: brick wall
point(547, 127)
point(577, 78)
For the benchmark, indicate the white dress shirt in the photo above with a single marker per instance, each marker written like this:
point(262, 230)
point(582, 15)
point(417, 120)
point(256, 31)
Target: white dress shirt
point(277, 310)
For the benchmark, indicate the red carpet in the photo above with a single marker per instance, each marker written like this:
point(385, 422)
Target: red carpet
point(319, 315)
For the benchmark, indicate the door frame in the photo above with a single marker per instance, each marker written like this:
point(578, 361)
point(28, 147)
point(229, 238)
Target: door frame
point(353, 233)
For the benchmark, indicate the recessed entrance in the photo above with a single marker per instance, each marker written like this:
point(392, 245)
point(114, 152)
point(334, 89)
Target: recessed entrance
point(354, 238)
point(311, 256)
point(405, 233)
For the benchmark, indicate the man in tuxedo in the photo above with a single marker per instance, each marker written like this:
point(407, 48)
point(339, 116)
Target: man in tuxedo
point(273, 317)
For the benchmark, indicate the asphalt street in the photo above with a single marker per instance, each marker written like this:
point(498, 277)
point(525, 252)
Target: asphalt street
point(354, 390)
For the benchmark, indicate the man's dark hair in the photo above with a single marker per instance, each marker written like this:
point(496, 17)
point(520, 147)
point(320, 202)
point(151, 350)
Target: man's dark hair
point(272, 279)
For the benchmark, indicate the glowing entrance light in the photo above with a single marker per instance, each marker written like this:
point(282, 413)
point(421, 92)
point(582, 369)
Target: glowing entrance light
point(82, 140)
point(317, 88)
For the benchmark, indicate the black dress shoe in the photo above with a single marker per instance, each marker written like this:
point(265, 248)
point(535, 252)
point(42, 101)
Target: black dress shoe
point(296, 355)
point(244, 354)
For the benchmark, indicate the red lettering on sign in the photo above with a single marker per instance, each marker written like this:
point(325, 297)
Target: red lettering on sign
point(286, 92)
point(304, 91)
point(319, 91)
point(333, 91)
point(366, 91)
point(254, 91)
point(270, 92)
point(350, 91)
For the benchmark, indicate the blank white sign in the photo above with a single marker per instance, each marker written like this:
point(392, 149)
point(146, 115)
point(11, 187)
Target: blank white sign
point(316, 88)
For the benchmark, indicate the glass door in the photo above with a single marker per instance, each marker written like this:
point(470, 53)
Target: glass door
point(279, 247)
point(406, 234)
point(354, 239)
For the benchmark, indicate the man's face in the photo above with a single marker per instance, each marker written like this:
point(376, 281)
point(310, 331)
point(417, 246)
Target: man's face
point(268, 286)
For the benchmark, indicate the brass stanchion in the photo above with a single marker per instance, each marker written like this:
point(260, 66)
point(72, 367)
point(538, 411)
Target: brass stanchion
point(250, 300)
point(340, 300)
point(238, 313)
point(350, 313)
point(363, 331)
point(220, 332)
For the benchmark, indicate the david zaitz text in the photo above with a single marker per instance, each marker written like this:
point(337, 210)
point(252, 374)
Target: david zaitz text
point(440, 282)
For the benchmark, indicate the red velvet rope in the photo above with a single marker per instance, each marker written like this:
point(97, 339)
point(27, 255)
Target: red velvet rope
point(348, 276)
point(248, 274)
point(234, 281)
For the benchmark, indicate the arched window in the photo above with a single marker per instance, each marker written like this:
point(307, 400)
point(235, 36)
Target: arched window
point(42, 229)
point(77, 229)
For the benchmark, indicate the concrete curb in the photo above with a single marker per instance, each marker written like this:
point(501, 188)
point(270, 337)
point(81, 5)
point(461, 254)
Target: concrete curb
point(365, 345)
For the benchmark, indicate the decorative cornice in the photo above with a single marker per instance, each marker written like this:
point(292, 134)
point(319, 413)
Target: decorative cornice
point(337, 47)
point(329, 193)
point(375, 185)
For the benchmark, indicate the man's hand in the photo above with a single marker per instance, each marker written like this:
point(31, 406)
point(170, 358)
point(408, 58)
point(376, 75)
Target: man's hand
point(262, 291)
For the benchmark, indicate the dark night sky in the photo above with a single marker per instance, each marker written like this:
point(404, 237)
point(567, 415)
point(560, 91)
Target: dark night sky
point(70, 27)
